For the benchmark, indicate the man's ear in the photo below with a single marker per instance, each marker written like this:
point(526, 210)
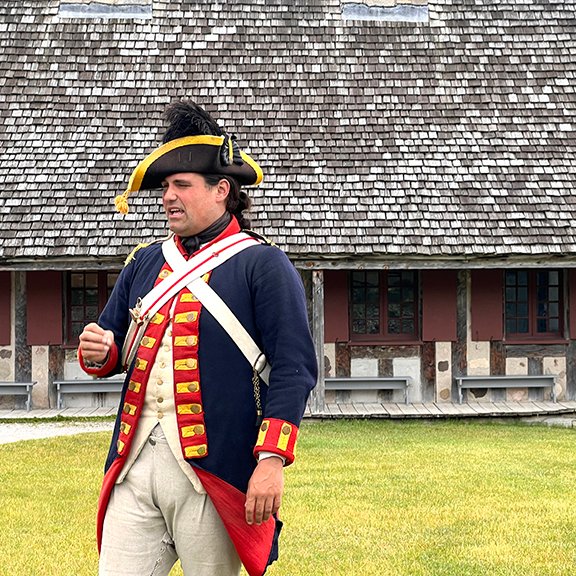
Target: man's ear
point(223, 189)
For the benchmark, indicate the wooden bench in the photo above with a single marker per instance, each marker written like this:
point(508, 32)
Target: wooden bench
point(369, 383)
point(18, 389)
point(93, 386)
point(541, 381)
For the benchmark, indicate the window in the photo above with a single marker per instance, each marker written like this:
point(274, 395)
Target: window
point(533, 304)
point(386, 10)
point(384, 305)
point(133, 9)
point(86, 296)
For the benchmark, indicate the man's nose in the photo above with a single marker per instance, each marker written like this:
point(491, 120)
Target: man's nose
point(169, 193)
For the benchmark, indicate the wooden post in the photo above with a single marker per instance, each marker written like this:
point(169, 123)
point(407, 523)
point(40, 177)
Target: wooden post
point(317, 397)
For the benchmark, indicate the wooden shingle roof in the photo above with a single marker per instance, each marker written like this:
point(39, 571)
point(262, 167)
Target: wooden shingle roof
point(453, 138)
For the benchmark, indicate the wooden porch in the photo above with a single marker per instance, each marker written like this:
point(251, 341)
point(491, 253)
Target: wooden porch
point(447, 409)
point(357, 410)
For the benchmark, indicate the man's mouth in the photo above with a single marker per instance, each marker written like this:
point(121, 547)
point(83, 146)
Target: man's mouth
point(175, 212)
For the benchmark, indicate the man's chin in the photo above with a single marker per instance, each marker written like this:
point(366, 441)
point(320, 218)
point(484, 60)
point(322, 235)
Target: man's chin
point(180, 230)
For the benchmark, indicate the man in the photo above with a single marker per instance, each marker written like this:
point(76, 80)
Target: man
point(195, 468)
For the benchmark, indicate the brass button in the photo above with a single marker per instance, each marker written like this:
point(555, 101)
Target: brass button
point(196, 408)
point(191, 363)
point(191, 317)
point(201, 450)
point(160, 415)
point(166, 348)
point(160, 400)
point(162, 364)
point(193, 387)
point(159, 381)
point(191, 340)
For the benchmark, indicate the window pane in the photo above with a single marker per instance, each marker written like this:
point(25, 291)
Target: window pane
point(77, 280)
point(357, 294)
point(541, 326)
point(553, 294)
point(394, 326)
point(77, 297)
point(522, 309)
point(407, 326)
point(77, 313)
point(77, 328)
point(523, 294)
point(522, 278)
point(522, 326)
point(553, 310)
point(554, 325)
point(542, 309)
point(553, 278)
point(408, 311)
point(393, 279)
point(394, 295)
point(394, 310)
point(373, 326)
point(408, 295)
point(542, 293)
point(510, 294)
point(111, 280)
point(91, 280)
point(372, 296)
point(359, 311)
point(372, 279)
point(92, 297)
point(91, 313)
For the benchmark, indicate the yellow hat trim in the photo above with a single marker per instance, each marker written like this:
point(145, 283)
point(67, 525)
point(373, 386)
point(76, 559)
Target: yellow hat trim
point(250, 161)
point(121, 201)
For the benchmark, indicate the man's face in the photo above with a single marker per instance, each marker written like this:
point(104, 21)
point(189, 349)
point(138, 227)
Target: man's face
point(191, 205)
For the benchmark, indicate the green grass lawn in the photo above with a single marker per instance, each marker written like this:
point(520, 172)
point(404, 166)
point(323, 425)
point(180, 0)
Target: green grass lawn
point(363, 498)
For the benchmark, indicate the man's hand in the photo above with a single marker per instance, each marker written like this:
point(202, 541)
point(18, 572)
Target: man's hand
point(265, 490)
point(95, 343)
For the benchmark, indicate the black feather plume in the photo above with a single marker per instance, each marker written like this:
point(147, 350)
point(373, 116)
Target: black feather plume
point(186, 118)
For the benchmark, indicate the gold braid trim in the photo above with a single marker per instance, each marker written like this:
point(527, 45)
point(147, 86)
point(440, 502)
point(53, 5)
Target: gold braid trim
point(133, 253)
point(144, 245)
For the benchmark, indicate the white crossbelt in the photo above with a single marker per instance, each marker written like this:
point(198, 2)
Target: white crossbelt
point(221, 313)
point(184, 272)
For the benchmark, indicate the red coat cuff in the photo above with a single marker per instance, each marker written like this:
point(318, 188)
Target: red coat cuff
point(278, 437)
point(106, 368)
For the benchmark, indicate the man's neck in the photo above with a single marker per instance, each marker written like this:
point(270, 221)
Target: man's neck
point(193, 243)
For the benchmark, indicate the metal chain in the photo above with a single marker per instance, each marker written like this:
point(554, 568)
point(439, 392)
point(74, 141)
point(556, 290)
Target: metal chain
point(257, 400)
